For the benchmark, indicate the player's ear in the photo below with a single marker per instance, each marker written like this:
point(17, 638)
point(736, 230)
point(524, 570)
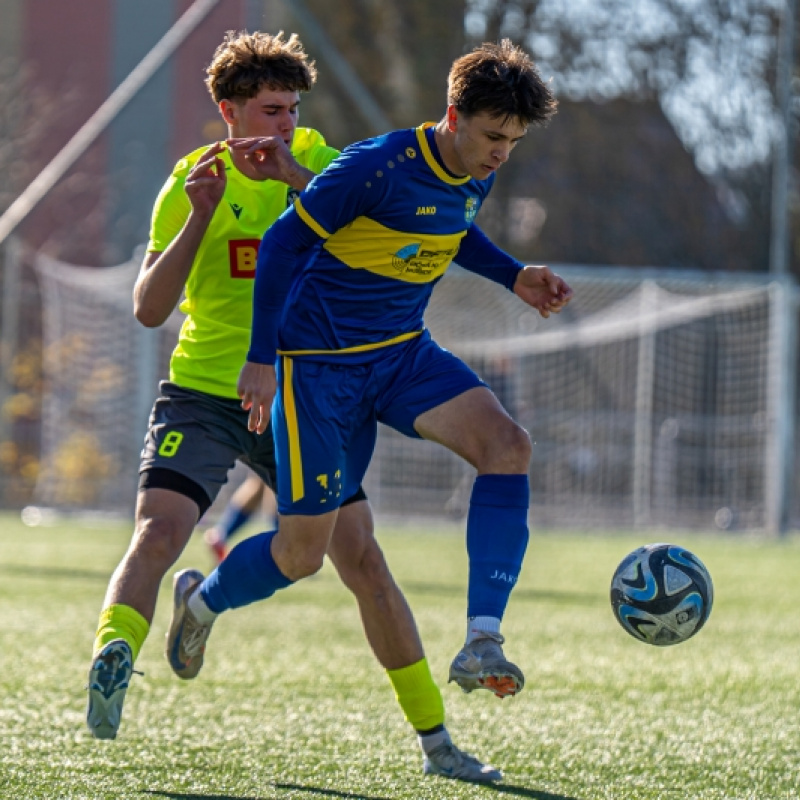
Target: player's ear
point(452, 119)
point(228, 111)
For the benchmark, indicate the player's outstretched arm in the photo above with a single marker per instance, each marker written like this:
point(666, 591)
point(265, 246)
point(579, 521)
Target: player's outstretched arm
point(542, 289)
point(256, 387)
point(164, 274)
point(269, 158)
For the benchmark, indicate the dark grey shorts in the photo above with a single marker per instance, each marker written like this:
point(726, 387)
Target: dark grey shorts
point(199, 437)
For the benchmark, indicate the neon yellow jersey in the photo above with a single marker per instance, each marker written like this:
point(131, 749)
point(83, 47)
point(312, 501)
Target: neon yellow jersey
point(218, 303)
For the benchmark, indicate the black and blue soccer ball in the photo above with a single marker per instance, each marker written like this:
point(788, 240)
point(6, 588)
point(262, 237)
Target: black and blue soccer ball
point(661, 594)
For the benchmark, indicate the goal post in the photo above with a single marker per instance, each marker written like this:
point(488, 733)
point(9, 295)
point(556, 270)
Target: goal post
point(780, 458)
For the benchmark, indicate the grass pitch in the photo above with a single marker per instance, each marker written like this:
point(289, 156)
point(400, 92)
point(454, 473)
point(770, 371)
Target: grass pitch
point(291, 703)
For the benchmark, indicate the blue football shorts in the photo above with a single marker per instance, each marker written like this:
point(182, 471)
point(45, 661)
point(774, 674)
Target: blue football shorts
point(325, 416)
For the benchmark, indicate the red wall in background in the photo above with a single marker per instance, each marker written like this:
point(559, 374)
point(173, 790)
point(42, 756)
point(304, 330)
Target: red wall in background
point(68, 50)
point(194, 108)
point(66, 47)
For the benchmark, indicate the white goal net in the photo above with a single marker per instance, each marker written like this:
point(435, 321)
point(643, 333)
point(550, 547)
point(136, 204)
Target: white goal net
point(654, 399)
point(101, 370)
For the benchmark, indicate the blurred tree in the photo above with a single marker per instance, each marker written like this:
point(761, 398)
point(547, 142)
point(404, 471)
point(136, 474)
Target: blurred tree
point(696, 76)
point(400, 49)
point(710, 64)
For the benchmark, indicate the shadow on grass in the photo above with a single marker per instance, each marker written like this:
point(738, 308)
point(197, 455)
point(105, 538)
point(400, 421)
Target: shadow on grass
point(316, 791)
point(67, 573)
point(313, 791)
point(524, 791)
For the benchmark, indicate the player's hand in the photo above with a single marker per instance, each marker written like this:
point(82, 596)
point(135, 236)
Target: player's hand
point(269, 158)
point(542, 289)
point(256, 387)
point(205, 183)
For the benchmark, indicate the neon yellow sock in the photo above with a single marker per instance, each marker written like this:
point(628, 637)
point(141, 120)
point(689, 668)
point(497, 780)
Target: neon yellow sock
point(121, 622)
point(418, 695)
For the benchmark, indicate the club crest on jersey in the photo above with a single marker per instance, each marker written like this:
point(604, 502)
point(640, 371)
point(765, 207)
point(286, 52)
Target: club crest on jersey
point(471, 208)
point(412, 259)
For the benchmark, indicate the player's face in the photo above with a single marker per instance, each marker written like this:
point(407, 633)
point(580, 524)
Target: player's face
point(482, 144)
point(269, 113)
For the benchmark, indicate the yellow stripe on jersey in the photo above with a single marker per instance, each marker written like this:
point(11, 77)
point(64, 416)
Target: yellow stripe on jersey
point(309, 220)
point(295, 457)
point(432, 161)
point(360, 348)
point(410, 257)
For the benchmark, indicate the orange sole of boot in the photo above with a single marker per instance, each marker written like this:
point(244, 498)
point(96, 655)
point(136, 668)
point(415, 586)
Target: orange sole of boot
point(503, 686)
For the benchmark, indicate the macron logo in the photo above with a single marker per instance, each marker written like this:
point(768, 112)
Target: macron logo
point(237, 210)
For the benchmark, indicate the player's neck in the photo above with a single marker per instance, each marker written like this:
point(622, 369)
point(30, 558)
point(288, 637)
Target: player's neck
point(445, 141)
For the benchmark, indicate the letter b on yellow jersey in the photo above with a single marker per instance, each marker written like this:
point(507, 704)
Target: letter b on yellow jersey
point(243, 254)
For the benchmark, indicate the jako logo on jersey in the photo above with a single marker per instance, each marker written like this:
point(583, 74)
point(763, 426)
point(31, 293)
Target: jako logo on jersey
point(237, 210)
point(471, 208)
point(503, 576)
point(422, 262)
point(411, 152)
point(426, 211)
point(243, 254)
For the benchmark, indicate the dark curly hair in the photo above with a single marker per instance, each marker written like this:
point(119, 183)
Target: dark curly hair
point(244, 63)
point(502, 81)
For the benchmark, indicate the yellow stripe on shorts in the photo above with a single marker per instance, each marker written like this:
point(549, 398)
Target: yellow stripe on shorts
point(295, 458)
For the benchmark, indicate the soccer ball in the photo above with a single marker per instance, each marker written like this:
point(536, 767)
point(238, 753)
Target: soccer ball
point(661, 594)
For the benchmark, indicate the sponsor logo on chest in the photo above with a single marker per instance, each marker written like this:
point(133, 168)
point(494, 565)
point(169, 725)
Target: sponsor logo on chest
point(242, 256)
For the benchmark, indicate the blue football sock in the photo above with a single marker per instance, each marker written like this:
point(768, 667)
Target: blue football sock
point(248, 574)
point(231, 519)
point(497, 536)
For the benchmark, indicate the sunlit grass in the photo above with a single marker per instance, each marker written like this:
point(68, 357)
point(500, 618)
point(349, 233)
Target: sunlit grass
point(291, 703)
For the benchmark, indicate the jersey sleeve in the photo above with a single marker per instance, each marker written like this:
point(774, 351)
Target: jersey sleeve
point(343, 192)
point(278, 256)
point(170, 212)
point(480, 255)
point(311, 150)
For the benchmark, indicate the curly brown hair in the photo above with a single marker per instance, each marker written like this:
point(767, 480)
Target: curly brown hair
point(502, 81)
point(244, 63)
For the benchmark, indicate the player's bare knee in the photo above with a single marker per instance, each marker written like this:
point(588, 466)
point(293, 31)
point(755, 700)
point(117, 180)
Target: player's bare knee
point(297, 564)
point(522, 448)
point(159, 540)
point(507, 450)
point(362, 568)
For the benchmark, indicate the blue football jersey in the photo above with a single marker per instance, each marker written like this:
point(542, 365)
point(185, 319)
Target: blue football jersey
point(382, 223)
